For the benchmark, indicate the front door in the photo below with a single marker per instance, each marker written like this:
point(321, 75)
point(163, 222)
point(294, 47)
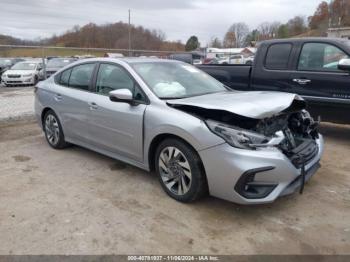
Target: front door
point(117, 127)
point(318, 79)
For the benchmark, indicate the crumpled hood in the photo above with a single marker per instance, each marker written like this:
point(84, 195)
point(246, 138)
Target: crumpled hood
point(252, 104)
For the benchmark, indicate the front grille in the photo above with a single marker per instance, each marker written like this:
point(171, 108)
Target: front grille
point(304, 153)
point(13, 76)
point(14, 82)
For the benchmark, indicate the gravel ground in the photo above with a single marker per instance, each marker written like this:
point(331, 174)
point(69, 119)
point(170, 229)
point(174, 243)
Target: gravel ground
point(16, 103)
point(75, 201)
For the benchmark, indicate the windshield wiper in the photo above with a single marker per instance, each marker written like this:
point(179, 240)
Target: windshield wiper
point(171, 97)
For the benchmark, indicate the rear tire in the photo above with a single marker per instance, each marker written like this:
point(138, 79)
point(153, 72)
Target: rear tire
point(53, 131)
point(180, 171)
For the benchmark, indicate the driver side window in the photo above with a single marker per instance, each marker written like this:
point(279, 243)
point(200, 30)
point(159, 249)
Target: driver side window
point(320, 57)
point(111, 77)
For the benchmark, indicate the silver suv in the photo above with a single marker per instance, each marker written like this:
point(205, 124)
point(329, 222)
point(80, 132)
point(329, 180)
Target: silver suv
point(196, 134)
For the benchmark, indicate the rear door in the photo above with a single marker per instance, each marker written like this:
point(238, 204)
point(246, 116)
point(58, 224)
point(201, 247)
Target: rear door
point(272, 68)
point(71, 100)
point(317, 78)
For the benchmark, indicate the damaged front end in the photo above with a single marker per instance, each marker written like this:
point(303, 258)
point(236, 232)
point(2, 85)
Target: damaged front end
point(283, 140)
point(293, 130)
point(299, 132)
point(294, 134)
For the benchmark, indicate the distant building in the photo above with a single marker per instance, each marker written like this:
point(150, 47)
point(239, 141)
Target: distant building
point(113, 55)
point(339, 32)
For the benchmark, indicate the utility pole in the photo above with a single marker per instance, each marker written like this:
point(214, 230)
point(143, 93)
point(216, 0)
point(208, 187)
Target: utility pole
point(129, 34)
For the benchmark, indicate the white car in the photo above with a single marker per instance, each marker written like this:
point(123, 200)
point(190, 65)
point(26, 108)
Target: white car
point(197, 61)
point(23, 73)
point(241, 60)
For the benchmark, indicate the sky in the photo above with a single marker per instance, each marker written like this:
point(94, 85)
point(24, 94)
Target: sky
point(178, 19)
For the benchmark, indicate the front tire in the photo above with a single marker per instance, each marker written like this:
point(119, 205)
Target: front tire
point(53, 131)
point(180, 171)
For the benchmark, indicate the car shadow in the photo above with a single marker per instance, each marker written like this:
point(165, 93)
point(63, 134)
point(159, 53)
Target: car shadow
point(206, 204)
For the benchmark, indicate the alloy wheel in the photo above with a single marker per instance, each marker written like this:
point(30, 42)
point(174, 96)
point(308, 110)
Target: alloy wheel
point(52, 130)
point(175, 170)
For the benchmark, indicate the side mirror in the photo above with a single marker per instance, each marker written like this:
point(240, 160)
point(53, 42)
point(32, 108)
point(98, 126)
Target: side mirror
point(121, 95)
point(344, 64)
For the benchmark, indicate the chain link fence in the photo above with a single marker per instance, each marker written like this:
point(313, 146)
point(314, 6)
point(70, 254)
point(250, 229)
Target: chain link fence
point(50, 51)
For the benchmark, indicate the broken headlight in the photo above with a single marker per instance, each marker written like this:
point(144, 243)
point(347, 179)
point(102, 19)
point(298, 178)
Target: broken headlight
point(236, 136)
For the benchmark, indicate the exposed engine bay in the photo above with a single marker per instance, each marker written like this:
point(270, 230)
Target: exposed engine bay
point(297, 129)
point(300, 132)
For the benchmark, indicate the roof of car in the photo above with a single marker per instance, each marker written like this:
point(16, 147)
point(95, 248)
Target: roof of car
point(307, 39)
point(130, 60)
point(31, 61)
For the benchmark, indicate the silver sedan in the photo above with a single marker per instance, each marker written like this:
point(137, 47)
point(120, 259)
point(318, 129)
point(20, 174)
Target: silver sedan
point(197, 135)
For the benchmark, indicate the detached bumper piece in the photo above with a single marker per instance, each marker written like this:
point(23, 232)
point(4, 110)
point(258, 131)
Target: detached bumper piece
point(300, 180)
point(249, 189)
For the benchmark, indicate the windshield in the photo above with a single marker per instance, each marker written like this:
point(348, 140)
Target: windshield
point(24, 66)
point(177, 80)
point(5, 62)
point(59, 62)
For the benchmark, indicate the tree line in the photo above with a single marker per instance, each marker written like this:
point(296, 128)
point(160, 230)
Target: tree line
point(114, 35)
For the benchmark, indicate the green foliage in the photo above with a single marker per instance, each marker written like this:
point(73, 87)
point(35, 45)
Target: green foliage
point(283, 31)
point(192, 43)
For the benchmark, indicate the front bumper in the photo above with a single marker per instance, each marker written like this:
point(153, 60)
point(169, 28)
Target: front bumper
point(225, 165)
point(18, 80)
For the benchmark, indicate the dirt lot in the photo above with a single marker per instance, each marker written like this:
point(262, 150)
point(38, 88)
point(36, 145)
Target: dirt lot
point(16, 103)
point(79, 202)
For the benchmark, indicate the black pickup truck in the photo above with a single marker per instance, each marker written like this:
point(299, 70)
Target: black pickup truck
point(318, 69)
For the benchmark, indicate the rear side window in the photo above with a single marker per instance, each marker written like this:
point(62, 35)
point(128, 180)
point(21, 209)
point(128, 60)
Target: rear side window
point(81, 75)
point(65, 77)
point(278, 56)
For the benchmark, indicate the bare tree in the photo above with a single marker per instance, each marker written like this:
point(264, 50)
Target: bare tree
point(297, 25)
point(236, 34)
point(268, 30)
point(215, 42)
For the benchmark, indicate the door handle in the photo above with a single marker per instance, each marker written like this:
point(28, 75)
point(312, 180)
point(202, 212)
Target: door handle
point(302, 81)
point(58, 97)
point(93, 106)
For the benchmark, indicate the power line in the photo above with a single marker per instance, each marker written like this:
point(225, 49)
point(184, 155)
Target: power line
point(129, 35)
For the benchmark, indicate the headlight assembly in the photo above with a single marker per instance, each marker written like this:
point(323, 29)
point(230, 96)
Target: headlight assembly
point(238, 137)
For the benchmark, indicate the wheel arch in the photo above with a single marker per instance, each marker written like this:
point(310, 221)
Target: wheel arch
point(157, 140)
point(43, 113)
